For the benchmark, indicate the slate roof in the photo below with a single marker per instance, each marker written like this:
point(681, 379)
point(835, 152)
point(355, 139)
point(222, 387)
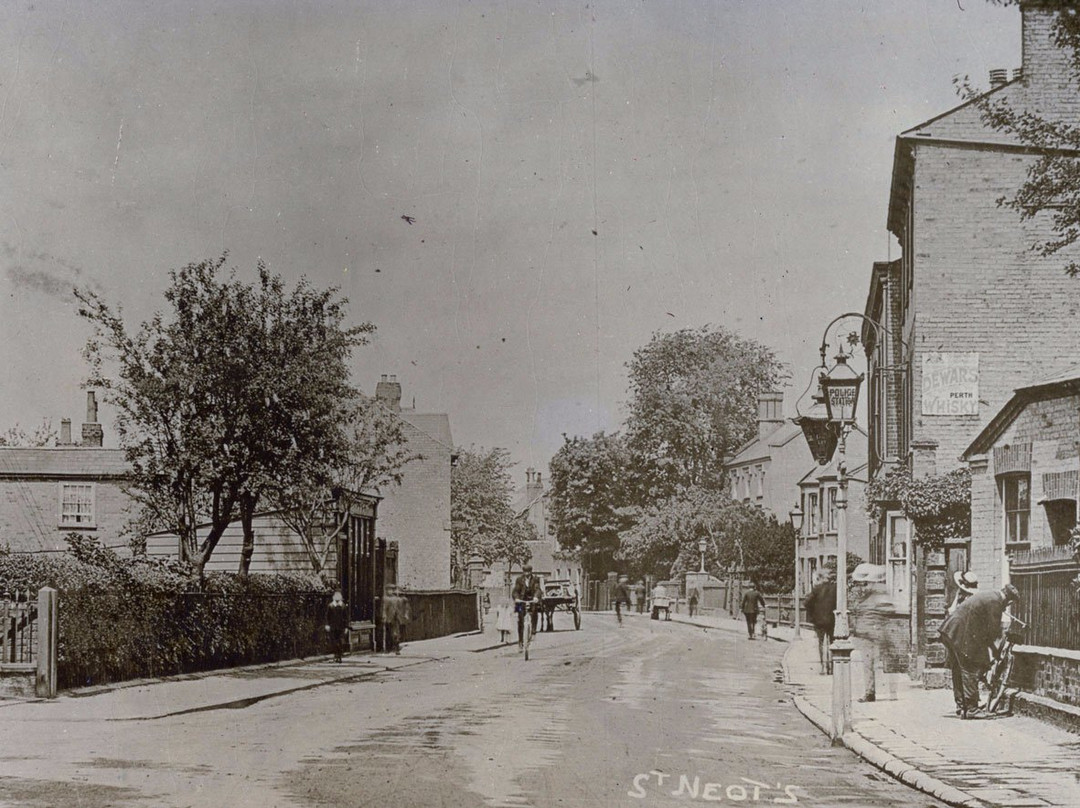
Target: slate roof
point(56, 462)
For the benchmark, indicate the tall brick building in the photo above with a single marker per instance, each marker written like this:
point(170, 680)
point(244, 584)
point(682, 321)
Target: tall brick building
point(968, 313)
point(416, 514)
point(48, 492)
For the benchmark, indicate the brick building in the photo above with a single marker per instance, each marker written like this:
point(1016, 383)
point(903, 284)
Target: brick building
point(416, 514)
point(965, 312)
point(48, 492)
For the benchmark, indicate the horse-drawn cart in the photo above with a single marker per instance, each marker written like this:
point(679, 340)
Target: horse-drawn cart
point(560, 596)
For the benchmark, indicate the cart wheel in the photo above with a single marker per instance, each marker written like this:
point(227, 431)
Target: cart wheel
point(577, 620)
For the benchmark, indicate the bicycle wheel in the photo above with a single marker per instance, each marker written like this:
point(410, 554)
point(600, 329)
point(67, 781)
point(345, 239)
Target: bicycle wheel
point(999, 683)
point(577, 619)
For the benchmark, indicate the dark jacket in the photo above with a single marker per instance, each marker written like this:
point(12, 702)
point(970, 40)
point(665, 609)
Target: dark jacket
point(527, 587)
point(821, 606)
point(751, 599)
point(972, 630)
point(621, 593)
point(337, 618)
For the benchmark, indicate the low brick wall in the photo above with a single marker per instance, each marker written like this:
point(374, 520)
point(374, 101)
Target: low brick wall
point(17, 681)
point(1052, 673)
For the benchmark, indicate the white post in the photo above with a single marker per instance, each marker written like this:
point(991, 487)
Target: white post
point(798, 593)
point(841, 647)
point(45, 684)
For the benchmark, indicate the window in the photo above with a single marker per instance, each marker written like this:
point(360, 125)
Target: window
point(1061, 516)
point(760, 481)
point(833, 514)
point(812, 514)
point(897, 571)
point(1016, 497)
point(76, 505)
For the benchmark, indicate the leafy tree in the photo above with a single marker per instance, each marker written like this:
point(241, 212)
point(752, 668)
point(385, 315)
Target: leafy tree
point(589, 495)
point(482, 518)
point(693, 401)
point(1053, 183)
point(223, 397)
point(315, 499)
point(42, 435)
point(739, 537)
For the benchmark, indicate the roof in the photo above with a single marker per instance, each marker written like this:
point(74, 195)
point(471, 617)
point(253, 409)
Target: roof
point(435, 425)
point(1059, 385)
point(759, 447)
point(55, 462)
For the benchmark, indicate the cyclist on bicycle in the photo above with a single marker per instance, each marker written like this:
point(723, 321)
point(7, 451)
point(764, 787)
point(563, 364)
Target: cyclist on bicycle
point(526, 593)
point(622, 595)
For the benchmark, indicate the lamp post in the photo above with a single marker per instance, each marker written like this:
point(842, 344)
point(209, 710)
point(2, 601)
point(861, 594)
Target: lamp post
point(840, 388)
point(701, 545)
point(796, 517)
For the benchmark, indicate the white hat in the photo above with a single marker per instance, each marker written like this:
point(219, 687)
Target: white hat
point(967, 581)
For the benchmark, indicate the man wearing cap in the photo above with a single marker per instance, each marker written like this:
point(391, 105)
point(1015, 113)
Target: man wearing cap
point(967, 584)
point(526, 589)
point(969, 635)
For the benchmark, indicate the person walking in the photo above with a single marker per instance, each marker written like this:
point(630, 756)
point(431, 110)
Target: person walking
point(504, 622)
point(692, 602)
point(337, 625)
point(526, 590)
point(395, 618)
point(751, 600)
point(820, 607)
point(969, 635)
point(639, 591)
point(621, 595)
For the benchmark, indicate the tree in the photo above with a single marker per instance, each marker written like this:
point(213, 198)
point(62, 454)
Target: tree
point(739, 537)
point(590, 498)
point(315, 500)
point(220, 399)
point(482, 518)
point(693, 401)
point(42, 435)
point(1053, 183)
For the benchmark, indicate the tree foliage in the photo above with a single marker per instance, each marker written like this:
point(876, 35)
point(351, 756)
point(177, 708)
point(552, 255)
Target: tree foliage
point(482, 518)
point(231, 395)
point(693, 401)
point(739, 537)
point(590, 480)
point(1053, 179)
point(41, 435)
point(939, 506)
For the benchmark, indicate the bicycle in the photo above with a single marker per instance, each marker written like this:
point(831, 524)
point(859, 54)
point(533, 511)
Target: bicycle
point(997, 678)
point(527, 609)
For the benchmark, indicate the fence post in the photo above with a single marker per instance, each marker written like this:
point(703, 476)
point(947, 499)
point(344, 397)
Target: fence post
point(45, 685)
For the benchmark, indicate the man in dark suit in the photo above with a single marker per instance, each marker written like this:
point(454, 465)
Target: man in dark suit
point(752, 602)
point(526, 589)
point(969, 635)
point(821, 612)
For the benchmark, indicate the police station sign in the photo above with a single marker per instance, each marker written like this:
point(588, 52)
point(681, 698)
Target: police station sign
point(950, 384)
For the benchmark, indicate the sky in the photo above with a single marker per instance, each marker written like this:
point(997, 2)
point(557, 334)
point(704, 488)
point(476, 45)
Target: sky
point(579, 175)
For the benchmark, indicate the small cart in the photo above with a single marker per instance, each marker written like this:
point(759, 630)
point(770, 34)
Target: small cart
point(560, 596)
point(662, 603)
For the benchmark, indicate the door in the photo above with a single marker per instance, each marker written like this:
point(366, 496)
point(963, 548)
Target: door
point(898, 567)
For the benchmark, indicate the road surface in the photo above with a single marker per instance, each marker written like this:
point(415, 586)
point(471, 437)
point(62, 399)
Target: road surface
point(648, 714)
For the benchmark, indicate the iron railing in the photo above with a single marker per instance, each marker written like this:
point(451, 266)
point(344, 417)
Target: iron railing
point(18, 622)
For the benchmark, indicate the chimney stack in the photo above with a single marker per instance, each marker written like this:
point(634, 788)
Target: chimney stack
point(388, 393)
point(92, 434)
point(999, 76)
point(65, 432)
point(770, 412)
point(533, 485)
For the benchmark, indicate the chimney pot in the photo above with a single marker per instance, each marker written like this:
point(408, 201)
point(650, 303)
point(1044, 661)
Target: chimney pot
point(92, 434)
point(1018, 73)
point(388, 393)
point(998, 77)
point(65, 432)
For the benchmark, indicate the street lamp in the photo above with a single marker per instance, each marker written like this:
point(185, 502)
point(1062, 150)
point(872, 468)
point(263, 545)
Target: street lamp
point(796, 517)
point(701, 545)
point(819, 432)
point(840, 388)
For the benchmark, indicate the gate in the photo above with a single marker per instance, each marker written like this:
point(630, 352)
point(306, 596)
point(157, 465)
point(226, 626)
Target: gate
point(18, 614)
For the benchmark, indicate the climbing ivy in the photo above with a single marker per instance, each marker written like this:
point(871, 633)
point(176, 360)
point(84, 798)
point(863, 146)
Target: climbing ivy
point(939, 506)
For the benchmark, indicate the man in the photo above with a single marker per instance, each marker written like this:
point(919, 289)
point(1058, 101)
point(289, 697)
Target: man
point(821, 612)
point(337, 625)
point(660, 593)
point(692, 601)
point(395, 616)
point(751, 600)
point(639, 592)
point(526, 590)
point(969, 635)
point(621, 595)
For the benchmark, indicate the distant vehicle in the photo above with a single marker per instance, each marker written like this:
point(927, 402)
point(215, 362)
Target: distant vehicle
point(662, 603)
point(561, 595)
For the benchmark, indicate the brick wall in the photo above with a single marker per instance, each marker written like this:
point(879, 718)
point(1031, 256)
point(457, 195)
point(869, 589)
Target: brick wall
point(30, 515)
point(1053, 677)
point(416, 515)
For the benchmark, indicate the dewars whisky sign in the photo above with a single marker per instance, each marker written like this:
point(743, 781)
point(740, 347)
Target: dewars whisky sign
point(950, 384)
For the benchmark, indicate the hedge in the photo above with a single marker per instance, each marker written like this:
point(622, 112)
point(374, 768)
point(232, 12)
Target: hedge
point(128, 618)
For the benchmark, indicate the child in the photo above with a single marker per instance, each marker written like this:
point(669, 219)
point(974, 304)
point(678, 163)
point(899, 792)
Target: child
point(504, 622)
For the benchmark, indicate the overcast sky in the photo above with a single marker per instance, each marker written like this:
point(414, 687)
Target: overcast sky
point(733, 159)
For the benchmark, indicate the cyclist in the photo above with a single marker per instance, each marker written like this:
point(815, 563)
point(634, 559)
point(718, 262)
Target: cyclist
point(621, 595)
point(526, 593)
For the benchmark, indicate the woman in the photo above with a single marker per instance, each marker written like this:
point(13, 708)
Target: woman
point(337, 624)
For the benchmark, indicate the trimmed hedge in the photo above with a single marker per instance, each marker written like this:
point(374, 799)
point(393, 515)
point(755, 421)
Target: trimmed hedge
point(127, 618)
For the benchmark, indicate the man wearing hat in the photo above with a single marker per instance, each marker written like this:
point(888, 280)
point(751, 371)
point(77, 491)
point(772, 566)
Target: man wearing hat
point(526, 590)
point(969, 635)
point(967, 584)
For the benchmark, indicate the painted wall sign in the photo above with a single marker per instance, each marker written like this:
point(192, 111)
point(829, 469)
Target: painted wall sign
point(950, 384)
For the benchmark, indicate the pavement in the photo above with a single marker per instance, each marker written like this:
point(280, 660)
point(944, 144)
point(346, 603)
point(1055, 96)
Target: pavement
point(914, 734)
point(909, 732)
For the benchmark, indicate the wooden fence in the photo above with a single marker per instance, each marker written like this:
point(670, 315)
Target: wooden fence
point(18, 622)
point(440, 613)
point(1048, 600)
